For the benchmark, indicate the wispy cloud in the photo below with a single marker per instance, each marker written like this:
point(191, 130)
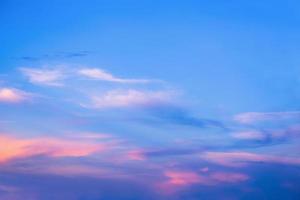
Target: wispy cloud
point(250, 135)
point(12, 95)
point(179, 178)
point(13, 148)
point(40, 76)
point(268, 137)
point(183, 177)
point(238, 159)
point(99, 74)
point(253, 117)
point(128, 98)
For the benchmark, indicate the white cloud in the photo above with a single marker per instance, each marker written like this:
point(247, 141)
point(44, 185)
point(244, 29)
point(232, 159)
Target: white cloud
point(253, 117)
point(127, 98)
point(102, 75)
point(51, 77)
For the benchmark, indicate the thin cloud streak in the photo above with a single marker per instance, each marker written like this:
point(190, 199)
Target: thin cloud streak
point(128, 98)
point(240, 159)
point(254, 117)
point(99, 74)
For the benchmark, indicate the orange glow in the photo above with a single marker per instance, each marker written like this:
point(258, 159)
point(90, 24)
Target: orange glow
point(13, 148)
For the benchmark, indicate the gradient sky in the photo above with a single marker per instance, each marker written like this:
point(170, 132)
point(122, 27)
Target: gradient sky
point(140, 99)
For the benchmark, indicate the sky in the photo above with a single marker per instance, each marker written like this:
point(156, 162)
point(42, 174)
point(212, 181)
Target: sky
point(148, 99)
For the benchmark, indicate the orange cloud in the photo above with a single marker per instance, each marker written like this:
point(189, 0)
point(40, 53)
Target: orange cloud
point(13, 148)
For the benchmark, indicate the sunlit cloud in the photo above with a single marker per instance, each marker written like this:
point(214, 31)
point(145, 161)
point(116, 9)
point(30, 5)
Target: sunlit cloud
point(12, 95)
point(43, 76)
point(99, 74)
point(253, 117)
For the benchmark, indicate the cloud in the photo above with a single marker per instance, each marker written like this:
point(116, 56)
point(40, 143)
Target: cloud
point(138, 155)
point(129, 98)
point(14, 148)
point(183, 177)
point(50, 77)
point(250, 135)
point(253, 117)
point(267, 136)
point(99, 74)
point(179, 178)
point(239, 159)
point(12, 95)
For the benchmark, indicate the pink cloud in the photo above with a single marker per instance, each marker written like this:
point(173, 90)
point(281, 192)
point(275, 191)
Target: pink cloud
point(138, 155)
point(12, 95)
point(13, 148)
point(183, 177)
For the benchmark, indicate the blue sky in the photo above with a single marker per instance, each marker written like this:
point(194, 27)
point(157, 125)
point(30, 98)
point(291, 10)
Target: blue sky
point(149, 99)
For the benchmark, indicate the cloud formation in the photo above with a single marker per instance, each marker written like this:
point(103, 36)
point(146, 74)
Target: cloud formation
point(129, 98)
point(99, 74)
point(49, 77)
point(239, 159)
point(178, 178)
point(264, 137)
point(13, 148)
point(254, 117)
point(250, 135)
point(12, 95)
